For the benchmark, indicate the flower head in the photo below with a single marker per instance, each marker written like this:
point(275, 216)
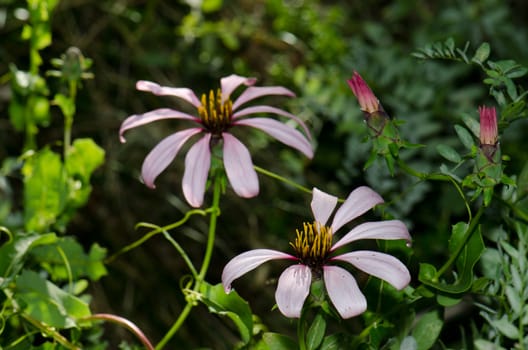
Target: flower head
point(314, 256)
point(216, 114)
point(488, 126)
point(367, 101)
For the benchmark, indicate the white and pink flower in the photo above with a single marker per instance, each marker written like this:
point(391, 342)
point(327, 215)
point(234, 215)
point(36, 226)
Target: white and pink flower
point(313, 256)
point(216, 115)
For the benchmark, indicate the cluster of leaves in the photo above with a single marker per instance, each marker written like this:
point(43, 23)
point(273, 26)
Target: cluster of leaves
point(45, 272)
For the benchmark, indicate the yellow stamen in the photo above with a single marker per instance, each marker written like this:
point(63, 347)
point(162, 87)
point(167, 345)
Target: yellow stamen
point(313, 243)
point(215, 115)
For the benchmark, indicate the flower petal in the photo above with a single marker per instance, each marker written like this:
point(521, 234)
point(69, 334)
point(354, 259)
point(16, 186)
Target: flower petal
point(197, 164)
point(273, 110)
point(230, 83)
point(292, 289)
point(152, 116)
point(381, 265)
point(282, 132)
point(367, 101)
point(160, 156)
point(323, 204)
point(254, 92)
point(358, 202)
point(239, 167)
point(247, 261)
point(185, 94)
point(389, 229)
point(344, 292)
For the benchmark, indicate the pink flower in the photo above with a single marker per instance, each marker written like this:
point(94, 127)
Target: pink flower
point(488, 126)
point(367, 101)
point(313, 254)
point(216, 115)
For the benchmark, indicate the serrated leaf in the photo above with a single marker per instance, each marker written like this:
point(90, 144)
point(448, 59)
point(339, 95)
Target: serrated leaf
point(448, 153)
point(427, 330)
point(47, 303)
point(45, 190)
point(230, 305)
point(84, 157)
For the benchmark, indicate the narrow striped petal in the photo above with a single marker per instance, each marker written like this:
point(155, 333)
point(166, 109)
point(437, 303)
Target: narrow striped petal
point(282, 132)
point(323, 204)
point(254, 92)
point(273, 110)
point(292, 290)
point(358, 202)
point(185, 94)
point(383, 266)
point(344, 292)
point(247, 261)
point(230, 83)
point(149, 117)
point(239, 167)
point(197, 164)
point(163, 154)
point(389, 229)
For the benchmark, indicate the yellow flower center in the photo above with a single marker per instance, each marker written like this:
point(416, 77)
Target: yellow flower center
point(312, 244)
point(215, 114)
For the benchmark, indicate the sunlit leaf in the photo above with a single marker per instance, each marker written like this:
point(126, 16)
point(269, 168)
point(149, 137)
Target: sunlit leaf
point(45, 191)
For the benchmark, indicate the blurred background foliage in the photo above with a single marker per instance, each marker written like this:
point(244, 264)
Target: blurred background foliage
point(311, 47)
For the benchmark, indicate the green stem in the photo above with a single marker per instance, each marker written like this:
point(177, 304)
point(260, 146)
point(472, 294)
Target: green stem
point(215, 212)
point(283, 179)
point(472, 225)
point(435, 177)
point(51, 332)
point(68, 119)
point(157, 229)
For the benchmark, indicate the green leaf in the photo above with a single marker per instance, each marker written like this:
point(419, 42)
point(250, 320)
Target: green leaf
point(44, 191)
point(448, 153)
point(230, 305)
point(427, 330)
point(409, 343)
point(472, 124)
point(506, 327)
point(13, 253)
point(481, 344)
point(84, 156)
point(482, 53)
point(466, 260)
point(47, 303)
point(66, 104)
point(209, 6)
point(316, 332)
point(277, 341)
point(465, 137)
point(66, 256)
